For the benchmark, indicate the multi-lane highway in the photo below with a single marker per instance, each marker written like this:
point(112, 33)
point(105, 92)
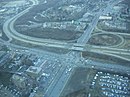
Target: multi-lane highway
point(11, 33)
point(8, 26)
point(107, 66)
point(57, 85)
point(87, 33)
point(9, 30)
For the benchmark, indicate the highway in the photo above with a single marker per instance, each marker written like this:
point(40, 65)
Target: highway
point(9, 24)
point(121, 39)
point(87, 33)
point(115, 52)
point(11, 33)
point(57, 86)
point(9, 30)
point(107, 66)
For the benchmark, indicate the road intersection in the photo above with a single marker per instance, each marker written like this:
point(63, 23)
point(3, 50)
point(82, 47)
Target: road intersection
point(81, 45)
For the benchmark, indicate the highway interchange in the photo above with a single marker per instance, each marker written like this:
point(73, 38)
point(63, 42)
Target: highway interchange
point(81, 46)
point(9, 30)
